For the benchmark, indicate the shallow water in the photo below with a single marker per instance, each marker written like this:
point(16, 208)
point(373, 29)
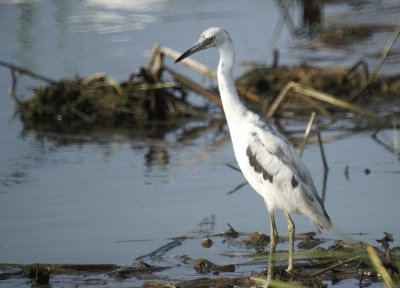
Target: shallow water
point(111, 197)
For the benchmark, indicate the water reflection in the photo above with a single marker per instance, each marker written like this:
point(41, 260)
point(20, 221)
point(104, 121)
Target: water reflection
point(312, 15)
point(156, 156)
point(27, 24)
point(153, 137)
point(108, 17)
point(25, 36)
point(61, 15)
point(132, 5)
point(310, 20)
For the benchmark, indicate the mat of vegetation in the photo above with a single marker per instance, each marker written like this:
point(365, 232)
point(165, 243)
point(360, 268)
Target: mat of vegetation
point(99, 101)
point(341, 82)
point(317, 263)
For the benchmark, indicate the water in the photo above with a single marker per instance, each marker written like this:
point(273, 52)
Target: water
point(103, 198)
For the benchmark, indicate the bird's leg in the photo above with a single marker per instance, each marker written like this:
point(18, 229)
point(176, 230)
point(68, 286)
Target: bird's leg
point(291, 228)
point(274, 238)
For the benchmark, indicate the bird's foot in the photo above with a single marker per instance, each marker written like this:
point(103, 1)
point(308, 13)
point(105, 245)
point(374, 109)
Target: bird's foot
point(270, 274)
point(289, 269)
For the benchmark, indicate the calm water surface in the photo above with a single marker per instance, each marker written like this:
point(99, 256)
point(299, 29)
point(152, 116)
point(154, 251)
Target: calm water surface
point(108, 197)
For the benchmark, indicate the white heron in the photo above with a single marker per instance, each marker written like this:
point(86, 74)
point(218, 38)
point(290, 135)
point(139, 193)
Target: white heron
point(266, 159)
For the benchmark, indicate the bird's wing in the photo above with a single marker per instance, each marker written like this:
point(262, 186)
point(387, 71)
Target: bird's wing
point(272, 156)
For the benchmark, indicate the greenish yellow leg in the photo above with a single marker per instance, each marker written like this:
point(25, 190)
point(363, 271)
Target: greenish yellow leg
point(291, 229)
point(274, 238)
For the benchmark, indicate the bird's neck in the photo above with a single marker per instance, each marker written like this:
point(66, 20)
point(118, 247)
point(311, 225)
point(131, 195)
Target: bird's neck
point(233, 106)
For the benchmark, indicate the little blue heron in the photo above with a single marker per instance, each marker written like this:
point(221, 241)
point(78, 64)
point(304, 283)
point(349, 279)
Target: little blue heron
point(265, 157)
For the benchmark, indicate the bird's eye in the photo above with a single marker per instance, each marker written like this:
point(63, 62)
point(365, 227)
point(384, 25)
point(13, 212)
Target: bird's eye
point(212, 38)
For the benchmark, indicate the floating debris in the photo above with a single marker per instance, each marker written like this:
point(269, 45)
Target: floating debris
point(206, 242)
point(231, 232)
point(257, 240)
point(39, 274)
point(101, 101)
point(139, 270)
point(309, 242)
point(281, 276)
point(205, 266)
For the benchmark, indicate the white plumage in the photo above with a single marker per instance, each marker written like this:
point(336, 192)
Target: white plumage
point(266, 159)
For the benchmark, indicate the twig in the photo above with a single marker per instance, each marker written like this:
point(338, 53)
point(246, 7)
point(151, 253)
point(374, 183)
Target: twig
point(303, 143)
point(364, 72)
point(378, 66)
point(191, 63)
point(326, 167)
point(238, 187)
point(340, 263)
point(155, 52)
point(384, 55)
point(279, 100)
point(22, 70)
point(275, 62)
point(204, 70)
point(233, 167)
point(321, 96)
point(14, 83)
point(313, 103)
point(377, 264)
point(321, 146)
point(324, 185)
point(380, 142)
point(250, 96)
point(190, 84)
point(306, 133)
point(395, 144)
point(159, 252)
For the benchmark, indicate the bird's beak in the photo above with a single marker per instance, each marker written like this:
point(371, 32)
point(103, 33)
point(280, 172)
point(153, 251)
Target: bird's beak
point(197, 47)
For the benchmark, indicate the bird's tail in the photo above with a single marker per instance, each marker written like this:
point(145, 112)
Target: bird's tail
point(323, 222)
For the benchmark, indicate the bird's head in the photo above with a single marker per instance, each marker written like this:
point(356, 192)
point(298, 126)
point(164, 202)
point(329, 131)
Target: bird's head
point(212, 37)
